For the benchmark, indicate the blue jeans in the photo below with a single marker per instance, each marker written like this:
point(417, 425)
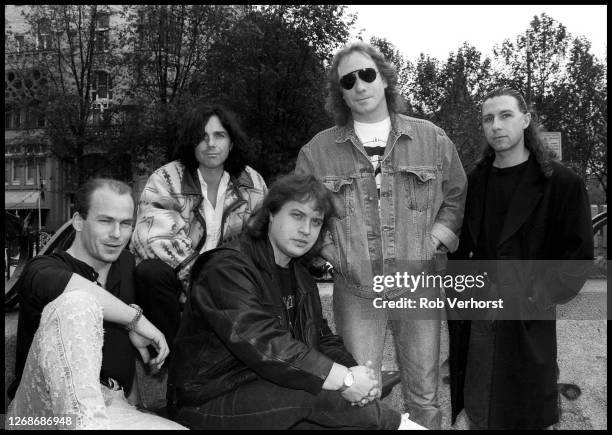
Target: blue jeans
point(264, 405)
point(417, 346)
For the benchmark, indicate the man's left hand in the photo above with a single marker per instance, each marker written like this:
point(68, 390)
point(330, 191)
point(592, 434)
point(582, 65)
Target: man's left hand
point(141, 343)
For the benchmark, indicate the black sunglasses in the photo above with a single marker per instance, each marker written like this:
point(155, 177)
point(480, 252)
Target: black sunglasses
point(368, 75)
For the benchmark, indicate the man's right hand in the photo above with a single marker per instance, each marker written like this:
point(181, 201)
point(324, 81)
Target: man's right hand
point(365, 386)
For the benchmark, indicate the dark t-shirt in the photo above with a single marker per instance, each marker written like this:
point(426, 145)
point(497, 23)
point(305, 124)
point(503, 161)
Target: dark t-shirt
point(44, 279)
point(288, 295)
point(501, 186)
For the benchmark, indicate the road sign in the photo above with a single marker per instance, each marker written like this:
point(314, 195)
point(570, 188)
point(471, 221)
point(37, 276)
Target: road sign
point(553, 140)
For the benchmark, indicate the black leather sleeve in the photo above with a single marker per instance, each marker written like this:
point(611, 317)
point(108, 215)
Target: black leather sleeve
point(226, 292)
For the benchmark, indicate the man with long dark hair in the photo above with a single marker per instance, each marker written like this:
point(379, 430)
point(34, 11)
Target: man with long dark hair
point(189, 206)
point(522, 206)
point(254, 350)
point(399, 187)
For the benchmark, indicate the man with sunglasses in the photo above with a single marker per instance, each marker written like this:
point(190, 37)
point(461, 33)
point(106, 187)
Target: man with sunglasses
point(399, 189)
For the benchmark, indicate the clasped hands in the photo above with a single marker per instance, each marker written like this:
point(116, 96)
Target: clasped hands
point(365, 385)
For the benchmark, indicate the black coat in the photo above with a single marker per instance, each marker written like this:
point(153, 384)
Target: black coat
point(235, 328)
point(548, 219)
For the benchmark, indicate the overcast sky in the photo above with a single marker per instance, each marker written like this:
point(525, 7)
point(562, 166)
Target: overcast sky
point(439, 29)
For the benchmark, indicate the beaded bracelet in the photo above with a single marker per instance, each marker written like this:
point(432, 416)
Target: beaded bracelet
point(130, 326)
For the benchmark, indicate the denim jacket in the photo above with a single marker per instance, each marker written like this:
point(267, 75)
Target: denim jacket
point(422, 194)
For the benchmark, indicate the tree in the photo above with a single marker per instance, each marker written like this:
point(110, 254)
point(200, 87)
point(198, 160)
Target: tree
point(567, 87)
point(426, 89)
point(466, 79)
point(165, 49)
point(582, 95)
point(270, 68)
point(533, 62)
point(450, 94)
point(62, 62)
point(403, 66)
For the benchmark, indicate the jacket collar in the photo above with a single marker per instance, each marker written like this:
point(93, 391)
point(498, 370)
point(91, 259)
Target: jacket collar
point(525, 199)
point(190, 184)
point(399, 125)
point(261, 252)
point(527, 195)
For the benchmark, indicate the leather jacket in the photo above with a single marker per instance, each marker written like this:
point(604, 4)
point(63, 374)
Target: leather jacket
point(235, 328)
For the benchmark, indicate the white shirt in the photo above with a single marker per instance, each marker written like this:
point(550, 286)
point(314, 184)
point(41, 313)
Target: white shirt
point(213, 215)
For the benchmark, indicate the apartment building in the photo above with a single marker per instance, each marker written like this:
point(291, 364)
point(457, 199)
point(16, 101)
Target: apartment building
point(37, 184)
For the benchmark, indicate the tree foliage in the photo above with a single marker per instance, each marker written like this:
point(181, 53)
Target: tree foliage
point(164, 49)
point(449, 95)
point(404, 66)
point(565, 83)
point(270, 68)
point(582, 92)
point(269, 64)
point(567, 87)
point(64, 47)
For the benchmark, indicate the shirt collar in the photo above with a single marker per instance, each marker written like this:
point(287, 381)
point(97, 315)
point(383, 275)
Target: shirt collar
point(399, 126)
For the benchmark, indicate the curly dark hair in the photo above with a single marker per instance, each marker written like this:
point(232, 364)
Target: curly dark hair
point(293, 187)
point(335, 104)
point(191, 133)
point(534, 140)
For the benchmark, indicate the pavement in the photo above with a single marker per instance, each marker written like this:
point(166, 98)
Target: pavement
point(582, 357)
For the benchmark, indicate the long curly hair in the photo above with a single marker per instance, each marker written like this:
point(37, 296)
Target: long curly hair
point(534, 140)
point(335, 104)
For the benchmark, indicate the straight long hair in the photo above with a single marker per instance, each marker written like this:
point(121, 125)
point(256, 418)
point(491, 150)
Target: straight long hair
point(191, 133)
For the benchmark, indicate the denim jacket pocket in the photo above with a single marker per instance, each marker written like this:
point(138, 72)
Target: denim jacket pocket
point(418, 184)
point(341, 189)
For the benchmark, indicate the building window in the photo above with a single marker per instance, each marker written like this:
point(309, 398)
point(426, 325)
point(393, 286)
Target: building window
point(102, 41)
point(40, 120)
point(40, 169)
point(16, 172)
point(7, 172)
point(19, 43)
point(102, 32)
point(102, 85)
point(30, 172)
point(44, 38)
point(12, 119)
point(34, 118)
point(103, 20)
point(169, 30)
